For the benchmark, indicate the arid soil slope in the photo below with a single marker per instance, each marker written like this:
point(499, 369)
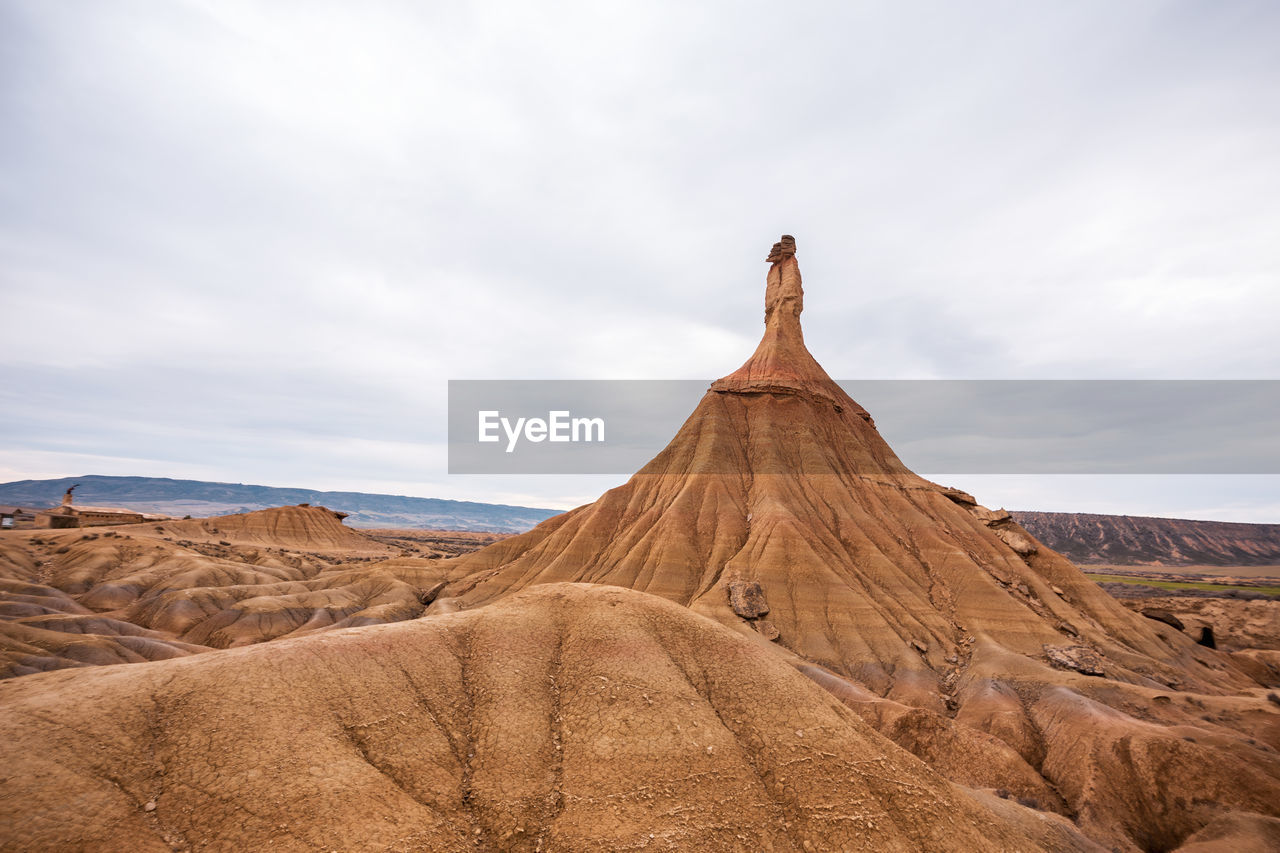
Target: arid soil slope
point(421, 542)
point(74, 598)
point(780, 512)
point(1124, 540)
point(566, 718)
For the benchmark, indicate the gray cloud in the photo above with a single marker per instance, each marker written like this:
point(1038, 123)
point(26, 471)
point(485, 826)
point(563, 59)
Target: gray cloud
point(252, 241)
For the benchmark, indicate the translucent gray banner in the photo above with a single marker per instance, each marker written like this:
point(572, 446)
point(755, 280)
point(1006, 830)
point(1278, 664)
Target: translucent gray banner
point(934, 426)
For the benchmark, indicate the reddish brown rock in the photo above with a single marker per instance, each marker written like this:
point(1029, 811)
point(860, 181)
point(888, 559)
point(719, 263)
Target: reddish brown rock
point(767, 629)
point(747, 599)
point(784, 248)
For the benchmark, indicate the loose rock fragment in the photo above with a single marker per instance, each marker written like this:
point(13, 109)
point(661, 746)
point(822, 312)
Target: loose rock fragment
point(1079, 658)
point(767, 629)
point(747, 599)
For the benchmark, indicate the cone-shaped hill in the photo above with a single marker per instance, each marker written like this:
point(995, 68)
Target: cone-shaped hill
point(779, 511)
point(779, 479)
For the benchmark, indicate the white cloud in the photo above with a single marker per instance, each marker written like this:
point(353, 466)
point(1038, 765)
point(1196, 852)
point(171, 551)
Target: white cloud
point(319, 213)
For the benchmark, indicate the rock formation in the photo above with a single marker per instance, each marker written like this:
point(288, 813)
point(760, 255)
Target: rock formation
point(882, 586)
point(778, 478)
point(148, 592)
point(834, 654)
point(784, 248)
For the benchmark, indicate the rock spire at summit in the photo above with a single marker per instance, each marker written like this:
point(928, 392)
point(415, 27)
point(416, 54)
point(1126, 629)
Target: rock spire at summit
point(784, 248)
point(783, 288)
point(781, 362)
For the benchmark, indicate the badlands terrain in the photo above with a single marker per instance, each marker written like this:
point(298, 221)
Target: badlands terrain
point(140, 592)
point(773, 637)
point(1088, 539)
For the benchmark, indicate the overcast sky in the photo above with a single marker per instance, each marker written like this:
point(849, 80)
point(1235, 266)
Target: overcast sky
point(251, 242)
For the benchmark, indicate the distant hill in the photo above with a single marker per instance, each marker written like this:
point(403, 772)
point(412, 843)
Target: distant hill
point(1130, 540)
point(199, 498)
point(1084, 538)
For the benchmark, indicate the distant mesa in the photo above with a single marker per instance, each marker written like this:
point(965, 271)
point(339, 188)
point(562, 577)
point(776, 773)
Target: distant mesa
point(1122, 540)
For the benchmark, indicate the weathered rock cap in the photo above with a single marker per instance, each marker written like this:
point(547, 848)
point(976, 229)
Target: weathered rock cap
point(784, 248)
